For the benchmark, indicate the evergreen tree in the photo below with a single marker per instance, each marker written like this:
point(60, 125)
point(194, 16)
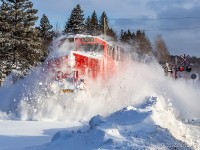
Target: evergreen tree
point(24, 44)
point(121, 36)
point(88, 25)
point(4, 30)
point(4, 41)
point(127, 37)
point(103, 22)
point(139, 41)
point(75, 23)
point(110, 32)
point(46, 33)
point(45, 28)
point(103, 25)
point(142, 42)
point(94, 23)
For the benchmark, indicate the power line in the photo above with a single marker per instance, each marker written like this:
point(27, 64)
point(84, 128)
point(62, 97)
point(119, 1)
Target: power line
point(167, 18)
point(165, 29)
point(173, 29)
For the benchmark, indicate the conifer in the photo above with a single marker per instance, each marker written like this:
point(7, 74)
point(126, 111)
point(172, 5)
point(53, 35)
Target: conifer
point(45, 28)
point(142, 42)
point(45, 33)
point(94, 23)
point(24, 45)
point(88, 25)
point(75, 23)
point(103, 22)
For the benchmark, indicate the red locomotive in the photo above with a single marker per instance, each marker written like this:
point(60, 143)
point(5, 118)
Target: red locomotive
point(91, 57)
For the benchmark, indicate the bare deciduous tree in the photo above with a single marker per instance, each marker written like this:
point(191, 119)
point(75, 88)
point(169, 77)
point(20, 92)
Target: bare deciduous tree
point(161, 49)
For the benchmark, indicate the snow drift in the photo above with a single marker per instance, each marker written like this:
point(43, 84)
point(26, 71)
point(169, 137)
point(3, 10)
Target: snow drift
point(128, 128)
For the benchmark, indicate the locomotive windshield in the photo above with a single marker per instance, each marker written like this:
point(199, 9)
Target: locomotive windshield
point(92, 48)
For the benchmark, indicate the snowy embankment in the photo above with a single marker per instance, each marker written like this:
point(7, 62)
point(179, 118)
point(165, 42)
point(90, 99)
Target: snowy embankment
point(146, 126)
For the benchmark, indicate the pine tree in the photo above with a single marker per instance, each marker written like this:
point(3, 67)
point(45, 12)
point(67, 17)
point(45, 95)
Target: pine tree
point(75, 23)
point(94, 23)
point(103, 22)
point(45, 28)
point(4, 30)
point(127, 37)
point(111, 33)
point(103, 25)
point(24, 44)
point(5, 49)
point(142, 42)
point(88, 25)
point(121, 36)
point(46, 33)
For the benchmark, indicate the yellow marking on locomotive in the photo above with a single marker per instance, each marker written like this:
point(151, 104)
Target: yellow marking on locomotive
point(67, 91)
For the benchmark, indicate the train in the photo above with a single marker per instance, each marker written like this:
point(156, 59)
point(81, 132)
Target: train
point(85, 57)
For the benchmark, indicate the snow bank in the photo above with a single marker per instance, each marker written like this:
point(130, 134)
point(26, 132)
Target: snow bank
point(118, 131)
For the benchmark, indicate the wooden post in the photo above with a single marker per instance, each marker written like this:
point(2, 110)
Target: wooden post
point(104, 27)
point(175, 68)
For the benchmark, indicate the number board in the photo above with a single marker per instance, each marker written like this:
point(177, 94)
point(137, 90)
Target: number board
point(88, 39)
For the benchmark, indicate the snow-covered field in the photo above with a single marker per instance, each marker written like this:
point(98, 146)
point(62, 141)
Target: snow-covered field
point(140, 108)
point(16, 134)
point(129, 128)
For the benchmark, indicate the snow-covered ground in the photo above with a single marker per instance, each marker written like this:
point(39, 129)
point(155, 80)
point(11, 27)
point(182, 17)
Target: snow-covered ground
point(130, 128)
point(149, 125)
point(17, 135)
point(140, 108)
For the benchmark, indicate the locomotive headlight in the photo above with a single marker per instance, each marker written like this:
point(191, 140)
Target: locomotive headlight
point(54, 87)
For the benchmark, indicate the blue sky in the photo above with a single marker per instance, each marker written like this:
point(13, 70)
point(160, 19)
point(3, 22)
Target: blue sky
point(181, 31)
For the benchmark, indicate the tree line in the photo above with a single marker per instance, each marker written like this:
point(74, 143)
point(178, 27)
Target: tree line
point(23, 45)
point(92, 25)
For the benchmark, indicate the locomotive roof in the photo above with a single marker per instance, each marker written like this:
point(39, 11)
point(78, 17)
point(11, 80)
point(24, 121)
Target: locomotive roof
point(70, 36)
point(85, 36)
point(98, 37)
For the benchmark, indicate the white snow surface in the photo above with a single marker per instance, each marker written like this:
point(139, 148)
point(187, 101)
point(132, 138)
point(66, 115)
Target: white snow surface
point(129, 128)
point(17, 135)
point(139, 108)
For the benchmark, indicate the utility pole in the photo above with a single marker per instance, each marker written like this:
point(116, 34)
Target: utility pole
point(104, 27)
point(176, 66)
